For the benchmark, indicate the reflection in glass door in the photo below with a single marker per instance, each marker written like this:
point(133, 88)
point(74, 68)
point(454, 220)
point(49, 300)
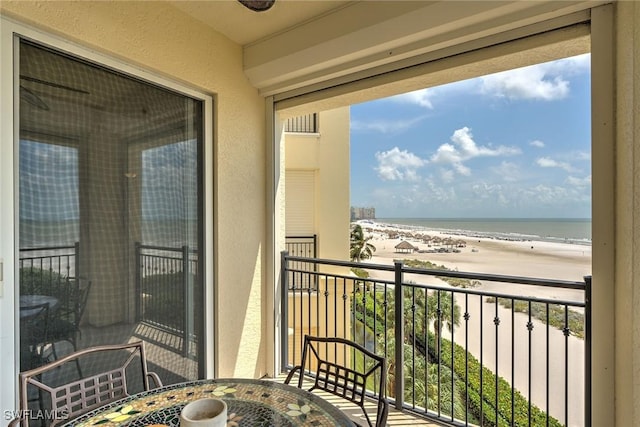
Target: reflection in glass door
point(110, 191)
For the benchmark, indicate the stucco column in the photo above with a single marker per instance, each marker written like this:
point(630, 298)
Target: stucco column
point(627, 268)
point(103, 233)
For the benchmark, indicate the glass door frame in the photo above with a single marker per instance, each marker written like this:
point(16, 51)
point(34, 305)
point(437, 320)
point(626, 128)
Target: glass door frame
point(10, 34)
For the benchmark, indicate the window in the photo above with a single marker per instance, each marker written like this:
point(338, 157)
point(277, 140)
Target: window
point(110, 190)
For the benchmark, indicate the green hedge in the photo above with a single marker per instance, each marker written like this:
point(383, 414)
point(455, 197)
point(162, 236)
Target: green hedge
point(36, 281)
point(486, 401)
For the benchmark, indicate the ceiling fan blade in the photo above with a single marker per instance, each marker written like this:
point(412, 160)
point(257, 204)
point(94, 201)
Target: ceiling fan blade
point(33, 99)
point(56, 85)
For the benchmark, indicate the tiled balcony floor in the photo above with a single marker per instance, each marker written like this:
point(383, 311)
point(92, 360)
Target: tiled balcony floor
point(395, 417)
point(164, 358)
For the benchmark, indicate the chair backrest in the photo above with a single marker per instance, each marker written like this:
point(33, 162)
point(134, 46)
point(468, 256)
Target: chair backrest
point(346, 369)
point(71, 399)
point(76, 294)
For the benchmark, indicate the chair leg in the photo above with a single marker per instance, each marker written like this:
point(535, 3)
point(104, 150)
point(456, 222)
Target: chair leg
point(75, 348)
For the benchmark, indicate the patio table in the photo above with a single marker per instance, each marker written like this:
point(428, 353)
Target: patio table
point(250, 402)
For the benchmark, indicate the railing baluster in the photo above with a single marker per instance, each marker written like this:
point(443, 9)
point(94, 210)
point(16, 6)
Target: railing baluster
point(496, 321)
point(452, 317)
point(467, 316)
point(513, 361)
point(481, 364)
point(530, 328)
point(439, 351)
point(284, 311)
point(413, 346)
point(399, 336)
point(547, 372)
point(566, 332)
point(587, 346)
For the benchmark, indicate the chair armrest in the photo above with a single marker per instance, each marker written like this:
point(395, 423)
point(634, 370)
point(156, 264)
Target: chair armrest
point(156, 379)
point(292, 373)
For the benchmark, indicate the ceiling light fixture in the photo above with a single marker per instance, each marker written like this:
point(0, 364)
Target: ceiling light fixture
point(258, 5)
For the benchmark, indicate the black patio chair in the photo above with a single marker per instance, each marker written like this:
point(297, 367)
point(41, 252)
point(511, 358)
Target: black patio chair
point(345, 369)
point(34, 325)
point(63, 400)
point(64, 325)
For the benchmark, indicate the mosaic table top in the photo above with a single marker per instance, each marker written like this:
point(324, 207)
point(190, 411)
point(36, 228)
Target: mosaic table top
point(250, 403)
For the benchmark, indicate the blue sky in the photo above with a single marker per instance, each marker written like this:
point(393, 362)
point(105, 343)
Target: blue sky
point(515, 144)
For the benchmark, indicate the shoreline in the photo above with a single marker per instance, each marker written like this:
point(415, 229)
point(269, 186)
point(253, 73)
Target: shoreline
point(525, 258)
point(514, 236)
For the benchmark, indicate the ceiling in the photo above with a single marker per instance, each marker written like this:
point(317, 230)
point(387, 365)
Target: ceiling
point(244, 26)
point(300, 46)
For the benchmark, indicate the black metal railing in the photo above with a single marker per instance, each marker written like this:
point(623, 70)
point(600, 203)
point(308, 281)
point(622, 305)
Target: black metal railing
point(303, 247)
point(166, 282)
point(477, 349)
point(44, 269)
point(302, 124)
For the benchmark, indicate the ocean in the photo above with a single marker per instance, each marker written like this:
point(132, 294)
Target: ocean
point(167, 233)
point(565, 230)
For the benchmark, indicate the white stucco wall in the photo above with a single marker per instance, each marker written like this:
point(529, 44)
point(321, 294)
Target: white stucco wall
point(160, 39)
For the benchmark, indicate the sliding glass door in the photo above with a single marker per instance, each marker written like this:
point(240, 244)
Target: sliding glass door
point(110, 214)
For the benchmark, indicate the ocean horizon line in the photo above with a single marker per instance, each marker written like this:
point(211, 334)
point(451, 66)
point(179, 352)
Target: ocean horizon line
point(561, 230)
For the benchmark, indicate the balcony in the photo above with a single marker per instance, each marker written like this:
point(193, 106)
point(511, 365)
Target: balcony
point(302, 124)
point(477, 349)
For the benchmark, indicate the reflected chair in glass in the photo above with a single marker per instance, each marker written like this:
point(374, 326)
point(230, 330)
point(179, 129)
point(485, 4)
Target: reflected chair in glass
point(114, 371)
point(65, 325)
point(34, 323)
point(345, 369)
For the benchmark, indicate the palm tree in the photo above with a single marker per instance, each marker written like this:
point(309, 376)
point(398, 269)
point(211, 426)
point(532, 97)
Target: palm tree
point(442, 310)
point(360, 249)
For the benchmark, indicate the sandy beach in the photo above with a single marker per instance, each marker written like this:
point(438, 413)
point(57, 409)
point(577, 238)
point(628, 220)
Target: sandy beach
point(536, 259)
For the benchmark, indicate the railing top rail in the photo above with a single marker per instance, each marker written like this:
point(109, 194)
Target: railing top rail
point(448, 273)
point(339, 263)
point(166, 248)
point(521, 280)
point(341, 276)
point(502, 295)
point(46, 248)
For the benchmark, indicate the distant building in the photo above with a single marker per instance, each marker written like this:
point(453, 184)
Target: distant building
point(362, 213)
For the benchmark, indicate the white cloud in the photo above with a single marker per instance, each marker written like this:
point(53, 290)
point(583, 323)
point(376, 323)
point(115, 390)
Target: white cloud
point(465, 148)
point(398, 165)
point(547, 162)
point(579, 182)
point(447, 175)
point(491, 192)
point(526, 83)
point(508, 171)
point(547, 81)
point(428, 97)
point(537, 143)
point(420, 97)
point(385, 126)
point(547, 194)
point(583, 155)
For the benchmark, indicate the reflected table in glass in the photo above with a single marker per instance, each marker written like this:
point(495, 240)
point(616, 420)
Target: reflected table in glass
point(29, 304)
point(250, 403)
